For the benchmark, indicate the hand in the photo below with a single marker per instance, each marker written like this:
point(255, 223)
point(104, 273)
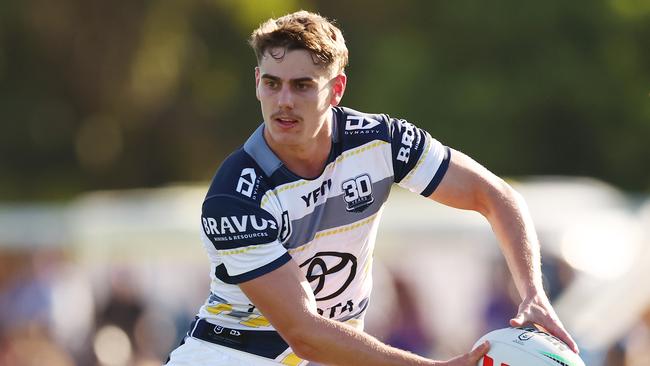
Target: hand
point(469, 359)
point(538, 310)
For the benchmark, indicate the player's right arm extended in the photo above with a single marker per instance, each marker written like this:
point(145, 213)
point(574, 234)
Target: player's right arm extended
point(286, 300)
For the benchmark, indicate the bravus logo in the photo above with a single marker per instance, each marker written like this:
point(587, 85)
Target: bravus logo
point(236, 224)
point(408, 137)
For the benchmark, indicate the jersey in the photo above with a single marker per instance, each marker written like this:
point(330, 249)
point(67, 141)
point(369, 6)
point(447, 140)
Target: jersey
point(258, 215)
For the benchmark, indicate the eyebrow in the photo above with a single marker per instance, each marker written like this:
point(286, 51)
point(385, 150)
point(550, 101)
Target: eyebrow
point(298, 80)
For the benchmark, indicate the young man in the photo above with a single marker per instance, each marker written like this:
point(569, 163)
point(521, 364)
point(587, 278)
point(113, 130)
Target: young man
point(290, 219)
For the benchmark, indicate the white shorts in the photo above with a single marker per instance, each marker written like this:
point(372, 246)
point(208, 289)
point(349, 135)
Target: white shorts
point(195, 352)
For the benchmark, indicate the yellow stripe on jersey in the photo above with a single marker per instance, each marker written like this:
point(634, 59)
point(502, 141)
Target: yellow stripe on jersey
point(256, 322)
point(237, 251)
point(359, 150)
point(219, 308)
point(427, 149)
point(346, 228)
point(330, 166)
point(292, 360)
point(338, 230)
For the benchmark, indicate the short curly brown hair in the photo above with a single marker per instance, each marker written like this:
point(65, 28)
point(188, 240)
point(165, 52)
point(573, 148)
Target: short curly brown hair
point(302, 30)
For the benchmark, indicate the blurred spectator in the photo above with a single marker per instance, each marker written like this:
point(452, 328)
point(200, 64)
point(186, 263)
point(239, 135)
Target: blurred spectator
point(25, 300)
point(407, 330)
point(503, 299)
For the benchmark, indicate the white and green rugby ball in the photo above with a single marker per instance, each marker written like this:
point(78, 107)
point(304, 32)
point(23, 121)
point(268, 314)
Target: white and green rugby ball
point(526, 347)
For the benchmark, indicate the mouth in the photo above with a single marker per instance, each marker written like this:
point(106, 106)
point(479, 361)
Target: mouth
point(286, 121)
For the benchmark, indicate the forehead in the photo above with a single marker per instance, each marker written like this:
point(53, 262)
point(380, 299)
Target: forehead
point(291, 64)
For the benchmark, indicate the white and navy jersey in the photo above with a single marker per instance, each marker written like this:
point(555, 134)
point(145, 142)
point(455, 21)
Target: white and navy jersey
point(258, 215)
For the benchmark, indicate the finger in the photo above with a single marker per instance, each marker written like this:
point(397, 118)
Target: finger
point(517, 321)
point(480, 351)
point(555, 328)
point(563, 335)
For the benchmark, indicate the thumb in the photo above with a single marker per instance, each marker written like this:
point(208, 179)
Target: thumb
point(480, 351)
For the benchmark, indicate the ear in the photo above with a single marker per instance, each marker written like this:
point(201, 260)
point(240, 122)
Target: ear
point(257, 82)
point(338, 88)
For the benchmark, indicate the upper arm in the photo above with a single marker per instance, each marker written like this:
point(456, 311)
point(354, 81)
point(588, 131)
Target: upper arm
point(423, 165)
point(242, 238)
point(467, 185)
point(419, 161)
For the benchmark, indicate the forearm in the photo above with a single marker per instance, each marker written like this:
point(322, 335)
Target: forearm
point(333, 343)
point(469, 186)
point(513, 226)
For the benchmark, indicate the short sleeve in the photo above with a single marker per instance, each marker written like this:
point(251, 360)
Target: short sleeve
point(419, 161)
point(242, 238)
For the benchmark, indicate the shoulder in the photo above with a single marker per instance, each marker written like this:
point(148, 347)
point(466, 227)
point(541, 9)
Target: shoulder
point(356, 128)
point(232, 215)
point(240, 176)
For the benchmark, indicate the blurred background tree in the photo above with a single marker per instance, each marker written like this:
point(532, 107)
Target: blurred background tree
point(116, 94)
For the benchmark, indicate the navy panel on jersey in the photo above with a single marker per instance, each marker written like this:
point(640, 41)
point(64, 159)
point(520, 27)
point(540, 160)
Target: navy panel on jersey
point(230, 222)
point(221, 272)
point(359, 128)
point(408, 143)
point(241, 176)
point(439, 174)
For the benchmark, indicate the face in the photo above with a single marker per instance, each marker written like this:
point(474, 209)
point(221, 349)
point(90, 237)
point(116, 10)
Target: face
point(296, 96)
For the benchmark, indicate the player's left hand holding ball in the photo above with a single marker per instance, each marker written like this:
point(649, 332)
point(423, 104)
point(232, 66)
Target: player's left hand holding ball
point(470, 358)
point(538, 310)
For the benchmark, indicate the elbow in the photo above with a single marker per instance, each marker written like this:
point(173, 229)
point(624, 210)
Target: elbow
point(498, 196)
point(301, 335)
point(300, 341)
point(303, 349)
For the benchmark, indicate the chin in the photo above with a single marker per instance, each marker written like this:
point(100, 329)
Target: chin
point(284, 137)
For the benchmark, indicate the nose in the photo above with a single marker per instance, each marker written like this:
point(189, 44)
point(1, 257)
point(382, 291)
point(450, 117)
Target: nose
point(285, 97)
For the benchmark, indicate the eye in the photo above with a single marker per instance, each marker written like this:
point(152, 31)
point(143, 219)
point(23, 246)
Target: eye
point(302, 86)
point(271, 84)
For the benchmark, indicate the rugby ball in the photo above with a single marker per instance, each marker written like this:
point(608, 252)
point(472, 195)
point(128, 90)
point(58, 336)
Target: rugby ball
point(526, 346)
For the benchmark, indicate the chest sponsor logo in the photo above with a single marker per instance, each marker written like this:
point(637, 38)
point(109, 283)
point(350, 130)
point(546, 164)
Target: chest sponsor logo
point(345, 308)
point(357, 193)
point(247, 182)
point(359, 125)
point(238, 227)
point(408, 137)
point(330, 273)
point(313, 196)
point(285, 229)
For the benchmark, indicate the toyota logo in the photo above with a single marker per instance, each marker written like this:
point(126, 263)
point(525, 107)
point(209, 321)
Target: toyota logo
point(325, 264)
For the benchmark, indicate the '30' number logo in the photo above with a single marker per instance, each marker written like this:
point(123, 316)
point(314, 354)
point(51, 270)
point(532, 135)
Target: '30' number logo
point(357, 193)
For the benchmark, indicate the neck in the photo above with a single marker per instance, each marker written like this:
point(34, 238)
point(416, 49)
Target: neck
point(305, 160)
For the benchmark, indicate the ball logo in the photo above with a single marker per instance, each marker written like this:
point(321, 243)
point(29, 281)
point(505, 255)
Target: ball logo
point(525, 336)
point(323, 266)
point(246, 182)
